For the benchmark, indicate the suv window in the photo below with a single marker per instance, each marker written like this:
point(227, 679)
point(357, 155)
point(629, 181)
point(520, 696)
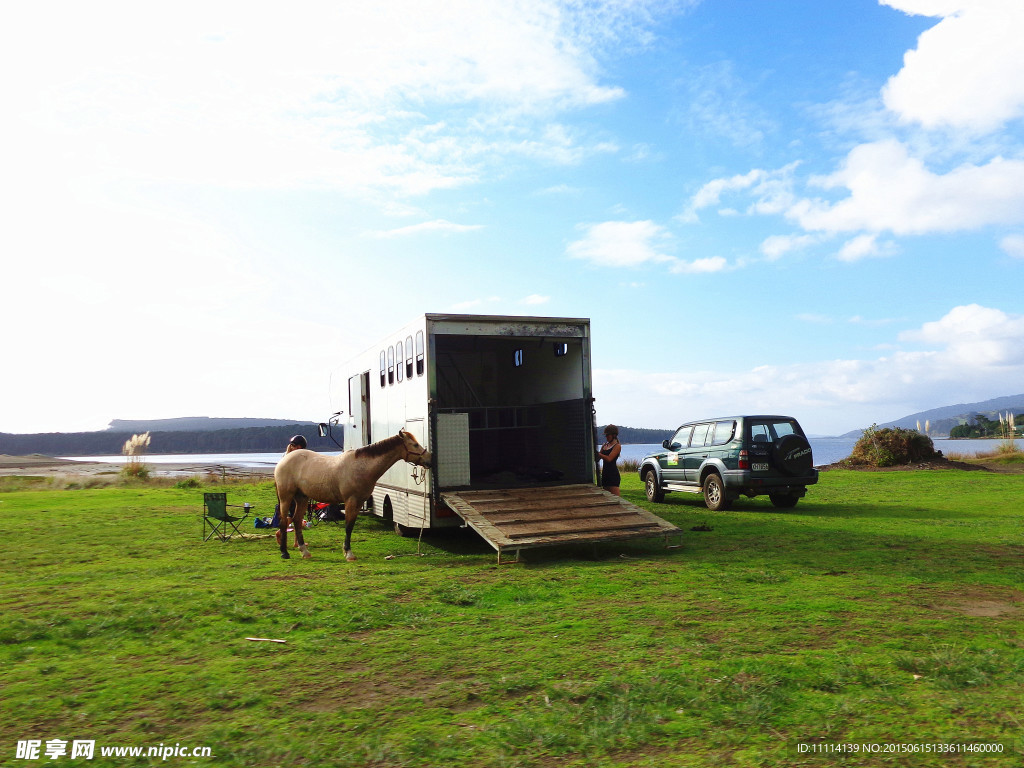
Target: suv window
point(700, 433)
point(723, 432)
point(681, 438)
point(771, 431)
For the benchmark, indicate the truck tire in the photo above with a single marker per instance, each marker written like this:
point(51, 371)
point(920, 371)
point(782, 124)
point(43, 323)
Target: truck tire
point(784, 500)
point(652, 487)
point(714, 493)
point(793, 455)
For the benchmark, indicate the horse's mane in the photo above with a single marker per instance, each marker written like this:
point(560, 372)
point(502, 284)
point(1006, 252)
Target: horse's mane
point(379, 448)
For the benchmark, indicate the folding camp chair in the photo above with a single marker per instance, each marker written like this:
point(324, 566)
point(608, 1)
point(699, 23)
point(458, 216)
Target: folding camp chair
point(215, 515)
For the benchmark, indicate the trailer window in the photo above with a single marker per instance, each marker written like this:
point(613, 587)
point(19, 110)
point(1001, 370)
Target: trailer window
point(398, 362)
point(391, 365)
point(419, 353)
point(408, 357)
point(382, 364)
point(518, 358)
point(561, 349)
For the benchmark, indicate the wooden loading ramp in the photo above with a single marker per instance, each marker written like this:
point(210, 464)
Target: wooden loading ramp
point(528, 518)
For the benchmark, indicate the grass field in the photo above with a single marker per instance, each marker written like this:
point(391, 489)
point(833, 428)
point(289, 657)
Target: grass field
point(886, 609)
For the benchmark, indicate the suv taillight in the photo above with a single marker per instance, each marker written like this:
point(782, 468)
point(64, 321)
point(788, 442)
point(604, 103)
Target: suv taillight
point(744, 460)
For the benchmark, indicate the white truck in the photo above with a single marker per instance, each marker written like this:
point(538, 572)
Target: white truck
point(504, 403)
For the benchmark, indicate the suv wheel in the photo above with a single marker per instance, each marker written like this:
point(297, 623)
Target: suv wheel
point(784, 500)
point(793, 455)
point(714, 493)
point(652, 487)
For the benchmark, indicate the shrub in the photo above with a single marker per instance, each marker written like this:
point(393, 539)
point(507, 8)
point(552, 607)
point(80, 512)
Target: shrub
point(135, 470)
point(891, 446)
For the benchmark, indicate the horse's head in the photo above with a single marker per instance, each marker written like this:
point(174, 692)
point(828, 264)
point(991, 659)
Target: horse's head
point(414, 452)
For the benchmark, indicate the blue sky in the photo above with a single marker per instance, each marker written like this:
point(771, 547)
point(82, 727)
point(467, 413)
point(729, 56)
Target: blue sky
point(799, 207)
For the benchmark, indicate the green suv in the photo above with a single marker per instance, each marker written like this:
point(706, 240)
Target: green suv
point(731, 457)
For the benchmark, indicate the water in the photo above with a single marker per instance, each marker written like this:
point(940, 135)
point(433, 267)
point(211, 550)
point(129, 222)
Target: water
point(244, 460)
point(827, 450)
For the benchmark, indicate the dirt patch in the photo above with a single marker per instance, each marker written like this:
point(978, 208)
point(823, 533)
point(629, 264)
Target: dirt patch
point(979, 602)
point(987, 608)
point(920, 465)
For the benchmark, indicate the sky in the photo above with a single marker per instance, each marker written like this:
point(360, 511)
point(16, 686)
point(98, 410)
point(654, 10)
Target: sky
point(795, 207)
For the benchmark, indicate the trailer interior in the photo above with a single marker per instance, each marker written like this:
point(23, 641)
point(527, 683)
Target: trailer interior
point(525, 398)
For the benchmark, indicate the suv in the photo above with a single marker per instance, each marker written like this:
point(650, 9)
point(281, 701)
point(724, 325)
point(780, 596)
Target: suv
point(734, 456)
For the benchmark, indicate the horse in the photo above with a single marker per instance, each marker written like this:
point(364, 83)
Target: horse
point(346, 479)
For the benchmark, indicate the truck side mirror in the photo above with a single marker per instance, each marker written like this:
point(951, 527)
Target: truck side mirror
point(322, 429)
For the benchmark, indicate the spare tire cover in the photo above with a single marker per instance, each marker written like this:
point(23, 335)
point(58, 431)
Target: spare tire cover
point(793, 455)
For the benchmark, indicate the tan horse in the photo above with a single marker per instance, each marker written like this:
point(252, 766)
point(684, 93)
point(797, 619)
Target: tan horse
point(346, 479)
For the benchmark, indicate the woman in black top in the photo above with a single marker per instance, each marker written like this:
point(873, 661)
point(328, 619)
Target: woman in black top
point(609, 454)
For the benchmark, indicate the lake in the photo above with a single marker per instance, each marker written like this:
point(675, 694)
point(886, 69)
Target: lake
point(827, 450)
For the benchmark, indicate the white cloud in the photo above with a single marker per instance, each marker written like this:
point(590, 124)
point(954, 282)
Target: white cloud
point(699, 266)
point(437, 225)
point(975, 351)
point(536, 298)
point(892, 191)
point(635, 243)
point(776, 246)
point(962, 79)
point(1013, 245)
point(771, 192)
point(965, 71)
point(864, 247)
point(621, 244)
point(975, 337)
point(719, 103)
point(346, 96)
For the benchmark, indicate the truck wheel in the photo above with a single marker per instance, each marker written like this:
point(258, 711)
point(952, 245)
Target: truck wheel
point(652, 487)
point(793, 455)
point(714, 493)
point(406, 532)
point(784, 500)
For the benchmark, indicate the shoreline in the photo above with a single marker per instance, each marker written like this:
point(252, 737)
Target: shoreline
point(48, 466)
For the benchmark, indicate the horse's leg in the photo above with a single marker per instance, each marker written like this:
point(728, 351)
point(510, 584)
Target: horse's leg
point(351, 513)
point(298, 517)
point(284, 500)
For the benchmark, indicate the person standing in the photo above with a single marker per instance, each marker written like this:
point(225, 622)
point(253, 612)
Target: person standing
point(609, 454)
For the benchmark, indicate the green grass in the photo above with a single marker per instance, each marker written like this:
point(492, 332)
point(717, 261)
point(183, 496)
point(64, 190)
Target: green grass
point(886, 608)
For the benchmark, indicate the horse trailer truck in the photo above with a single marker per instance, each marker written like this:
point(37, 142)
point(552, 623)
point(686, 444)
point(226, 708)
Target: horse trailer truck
point(505, 406)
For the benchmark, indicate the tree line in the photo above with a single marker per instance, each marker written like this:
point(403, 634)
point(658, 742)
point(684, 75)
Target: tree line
point(980, 425)
point(244, 440)
point(268, 439)
point(641, 435)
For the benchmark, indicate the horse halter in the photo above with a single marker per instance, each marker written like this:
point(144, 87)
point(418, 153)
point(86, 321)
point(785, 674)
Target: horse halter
point(409, 453)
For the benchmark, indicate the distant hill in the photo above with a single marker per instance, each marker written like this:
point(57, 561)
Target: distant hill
point(193, 424)
point(941, 420)
point(265, 439)
point(634, 435)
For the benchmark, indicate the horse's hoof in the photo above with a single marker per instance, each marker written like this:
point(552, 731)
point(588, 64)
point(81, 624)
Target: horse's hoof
point(305, 554)
point(349, 556)
point(285, 555)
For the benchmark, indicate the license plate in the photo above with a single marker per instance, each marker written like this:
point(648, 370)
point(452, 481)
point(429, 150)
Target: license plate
point(759, 467)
